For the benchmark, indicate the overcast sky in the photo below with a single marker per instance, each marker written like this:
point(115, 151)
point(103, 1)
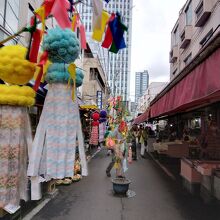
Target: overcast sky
point(153, 21)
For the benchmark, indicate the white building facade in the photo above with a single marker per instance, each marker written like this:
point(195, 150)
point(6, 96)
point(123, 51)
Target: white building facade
point(151, 92)
point(197, 24)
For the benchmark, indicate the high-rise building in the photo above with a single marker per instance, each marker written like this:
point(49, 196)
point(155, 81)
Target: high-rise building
point(116, 66)
point(141, 84)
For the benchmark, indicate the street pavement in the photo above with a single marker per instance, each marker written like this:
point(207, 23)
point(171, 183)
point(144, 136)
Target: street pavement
point(158, 197)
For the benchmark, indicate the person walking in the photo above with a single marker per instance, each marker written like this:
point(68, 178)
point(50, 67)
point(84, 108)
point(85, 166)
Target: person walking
point(143, 140)
point(132, 138)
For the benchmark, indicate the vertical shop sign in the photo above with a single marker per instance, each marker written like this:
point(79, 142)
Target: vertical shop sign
point(99, 99)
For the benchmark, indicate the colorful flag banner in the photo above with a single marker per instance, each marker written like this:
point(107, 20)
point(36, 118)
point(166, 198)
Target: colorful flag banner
point(108, 35)
point(115, 34)
point(98, 33)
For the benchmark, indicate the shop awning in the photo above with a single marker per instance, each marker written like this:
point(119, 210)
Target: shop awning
point(88, 107)
point(201, 86)
point(141, 118)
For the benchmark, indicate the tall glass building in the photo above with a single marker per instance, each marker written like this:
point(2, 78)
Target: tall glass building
point(116, 66)
point(141, 84)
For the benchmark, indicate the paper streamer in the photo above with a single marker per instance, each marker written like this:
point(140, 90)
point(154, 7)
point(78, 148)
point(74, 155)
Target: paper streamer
point(98, 33)
point(35, 46)
point(59, 11)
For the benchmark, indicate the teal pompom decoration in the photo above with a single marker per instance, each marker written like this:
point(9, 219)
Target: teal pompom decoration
point(58, 73)
point(62, 45)
point(79, 77)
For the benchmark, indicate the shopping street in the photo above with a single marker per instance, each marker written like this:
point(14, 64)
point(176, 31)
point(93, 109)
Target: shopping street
point(158, 196)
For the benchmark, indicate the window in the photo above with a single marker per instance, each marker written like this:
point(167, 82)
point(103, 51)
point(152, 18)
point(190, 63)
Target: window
point(92, 74)
point(174, 72)
point(206, 38)
point(199, 10)
point(188, 12)
point(188, 59)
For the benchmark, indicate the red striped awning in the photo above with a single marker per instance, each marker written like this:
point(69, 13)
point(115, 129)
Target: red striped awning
point(142, 118)
point(200, 87)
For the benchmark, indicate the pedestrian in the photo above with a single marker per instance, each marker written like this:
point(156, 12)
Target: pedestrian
point(132, 140)
point(143, 140)
point(106, 136)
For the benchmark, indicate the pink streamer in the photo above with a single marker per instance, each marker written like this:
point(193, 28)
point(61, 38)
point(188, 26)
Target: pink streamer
point(59, 11)
point(82, 36)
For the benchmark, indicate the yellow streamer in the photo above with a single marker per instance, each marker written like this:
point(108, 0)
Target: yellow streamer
point(72, 71)
point(98, 33)
point(74, 21)
point(41, 12)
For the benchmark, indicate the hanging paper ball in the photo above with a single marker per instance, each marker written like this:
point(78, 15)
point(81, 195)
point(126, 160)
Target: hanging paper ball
point(62, 45)
point(95, 123)
point(103, 114)
point(95, 116)
point(101, 120)
point(79, 77)
point(14, 68)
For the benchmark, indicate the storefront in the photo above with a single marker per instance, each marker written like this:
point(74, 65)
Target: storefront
point(190, 105)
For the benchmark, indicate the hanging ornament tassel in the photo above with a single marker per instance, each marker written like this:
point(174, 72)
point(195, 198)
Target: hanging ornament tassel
point(72, 71)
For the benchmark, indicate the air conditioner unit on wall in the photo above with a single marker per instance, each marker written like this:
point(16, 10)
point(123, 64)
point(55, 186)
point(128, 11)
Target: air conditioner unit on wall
point(203, 11)
point(174, 54)
point(186, 36)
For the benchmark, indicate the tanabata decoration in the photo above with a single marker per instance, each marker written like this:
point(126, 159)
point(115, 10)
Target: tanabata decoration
point(54, 145)
point(102, 125)
point(121, 150)
point(94, 137)
point(114, 37)
point(98, 32)
point(77, 25)
point(15, 128)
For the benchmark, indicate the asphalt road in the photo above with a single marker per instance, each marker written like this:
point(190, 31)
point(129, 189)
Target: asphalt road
point(158, 197)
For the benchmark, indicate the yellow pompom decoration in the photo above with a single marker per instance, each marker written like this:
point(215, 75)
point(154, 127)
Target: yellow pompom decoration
point(17, 95)
point(14, 68)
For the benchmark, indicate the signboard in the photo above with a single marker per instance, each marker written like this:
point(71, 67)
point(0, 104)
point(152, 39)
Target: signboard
point(99, 99)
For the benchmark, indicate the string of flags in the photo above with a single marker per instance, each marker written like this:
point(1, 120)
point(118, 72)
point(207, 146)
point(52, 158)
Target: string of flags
point(110, 25)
